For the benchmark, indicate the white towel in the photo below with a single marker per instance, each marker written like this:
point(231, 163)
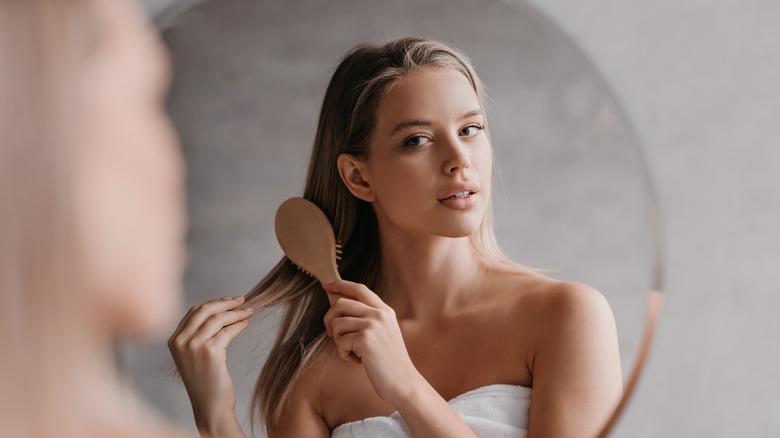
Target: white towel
point(493, 411)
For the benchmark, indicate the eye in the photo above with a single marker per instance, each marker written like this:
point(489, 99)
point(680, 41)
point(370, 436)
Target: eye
point(416, 141)
point(470, 131)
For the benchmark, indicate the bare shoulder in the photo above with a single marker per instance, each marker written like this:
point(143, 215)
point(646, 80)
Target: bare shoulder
point(330, 391)
point(573, 303)
point(556, 305)
point(550, 314)
point(573, 356)
point(300, 415)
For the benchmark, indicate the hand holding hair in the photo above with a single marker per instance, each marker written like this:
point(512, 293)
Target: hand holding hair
point(199, 349)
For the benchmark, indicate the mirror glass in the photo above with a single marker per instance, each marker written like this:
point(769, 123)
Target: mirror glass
point(570, 187)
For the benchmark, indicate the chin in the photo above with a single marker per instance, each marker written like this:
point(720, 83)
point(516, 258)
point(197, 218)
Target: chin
point(158, 297)
point(457, 229)
point(150, 305)
point(462, 225)
point(457, 234)
point(150, 319)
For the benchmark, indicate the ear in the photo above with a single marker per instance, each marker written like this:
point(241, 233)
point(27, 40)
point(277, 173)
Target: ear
point(354, 173)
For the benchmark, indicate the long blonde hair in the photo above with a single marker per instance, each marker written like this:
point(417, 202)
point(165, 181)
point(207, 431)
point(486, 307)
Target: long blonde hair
point(43, 44)
point(346, 121)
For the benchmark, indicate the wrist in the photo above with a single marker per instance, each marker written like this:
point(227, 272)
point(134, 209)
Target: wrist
point(412, 393)
point(226, 426)
point(426, 413)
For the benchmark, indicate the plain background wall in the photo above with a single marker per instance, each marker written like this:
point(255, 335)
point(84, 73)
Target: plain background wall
point(699, 81)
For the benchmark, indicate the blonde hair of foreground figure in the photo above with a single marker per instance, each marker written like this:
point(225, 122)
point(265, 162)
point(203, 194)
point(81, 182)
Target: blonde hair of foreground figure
point(81, 93)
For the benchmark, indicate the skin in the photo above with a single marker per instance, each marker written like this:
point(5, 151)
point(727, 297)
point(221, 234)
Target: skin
point(450, 322)
point(130, 175)
point(128, 205)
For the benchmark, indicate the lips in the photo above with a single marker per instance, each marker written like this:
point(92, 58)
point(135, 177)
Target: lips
point(460, 195)
point(459, 191)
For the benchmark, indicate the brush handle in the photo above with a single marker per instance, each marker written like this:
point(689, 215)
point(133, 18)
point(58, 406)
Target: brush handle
point(306, 237)
point(329, 279)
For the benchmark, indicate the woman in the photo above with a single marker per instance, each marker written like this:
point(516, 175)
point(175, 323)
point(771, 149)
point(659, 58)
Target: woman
point(91, 214)
point(401, 165)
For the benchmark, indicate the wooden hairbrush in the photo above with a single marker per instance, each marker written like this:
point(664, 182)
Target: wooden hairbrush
point(306, 237)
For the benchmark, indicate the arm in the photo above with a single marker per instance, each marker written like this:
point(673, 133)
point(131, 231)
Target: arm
point(576, 365)
point(199, 348)
point(366, 331)
point(427, 414)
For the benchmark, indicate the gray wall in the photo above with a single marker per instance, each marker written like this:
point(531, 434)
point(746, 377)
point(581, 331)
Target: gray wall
point(698, 80)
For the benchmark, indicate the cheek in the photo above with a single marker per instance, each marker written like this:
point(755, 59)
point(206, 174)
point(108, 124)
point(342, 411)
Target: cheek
point(132, 216)
point(404, 181)
point(484, 165)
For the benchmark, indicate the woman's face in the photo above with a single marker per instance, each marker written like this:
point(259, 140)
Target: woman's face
point(430, 159)
point(129, 179)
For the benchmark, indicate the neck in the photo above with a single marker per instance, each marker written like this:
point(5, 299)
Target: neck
point(427, 277)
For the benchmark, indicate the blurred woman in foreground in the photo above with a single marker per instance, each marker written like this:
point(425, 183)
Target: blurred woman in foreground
point(91, 213)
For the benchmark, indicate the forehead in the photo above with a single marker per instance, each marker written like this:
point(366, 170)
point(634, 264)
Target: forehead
point(429, 93)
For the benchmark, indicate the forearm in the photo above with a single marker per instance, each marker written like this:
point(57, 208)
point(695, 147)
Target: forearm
point(226, 427)
point(427, 414)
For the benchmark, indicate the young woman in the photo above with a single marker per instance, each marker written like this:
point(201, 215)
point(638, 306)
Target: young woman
point(432, 310)
point(91, 214)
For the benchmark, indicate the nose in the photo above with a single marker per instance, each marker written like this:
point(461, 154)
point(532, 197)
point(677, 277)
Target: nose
point(457, 157)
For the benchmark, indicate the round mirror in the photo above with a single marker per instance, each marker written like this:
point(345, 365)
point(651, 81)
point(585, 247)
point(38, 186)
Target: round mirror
point(571, 193)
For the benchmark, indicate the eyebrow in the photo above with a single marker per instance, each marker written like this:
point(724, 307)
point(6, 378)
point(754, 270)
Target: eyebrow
point(422, 122)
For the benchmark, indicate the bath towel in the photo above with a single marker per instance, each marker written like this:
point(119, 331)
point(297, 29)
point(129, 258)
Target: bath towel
point(493, 411)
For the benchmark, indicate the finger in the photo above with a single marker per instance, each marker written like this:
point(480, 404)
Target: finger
point(217, 322)
point(351, 357)
point(346, 307)
point(345, 346)
point(333, 296)
point(186, 318)
point(347, 324)
point(226, 335)
point(194, 309)
point(356, 291)
point(205, 311)
point(347, 352)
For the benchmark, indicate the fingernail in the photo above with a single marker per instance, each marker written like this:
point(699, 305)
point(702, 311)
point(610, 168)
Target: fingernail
point(249, 309)
point(238, 298)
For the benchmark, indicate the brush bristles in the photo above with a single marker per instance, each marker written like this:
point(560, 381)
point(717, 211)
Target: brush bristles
point(301, 269)
point(338, 257)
